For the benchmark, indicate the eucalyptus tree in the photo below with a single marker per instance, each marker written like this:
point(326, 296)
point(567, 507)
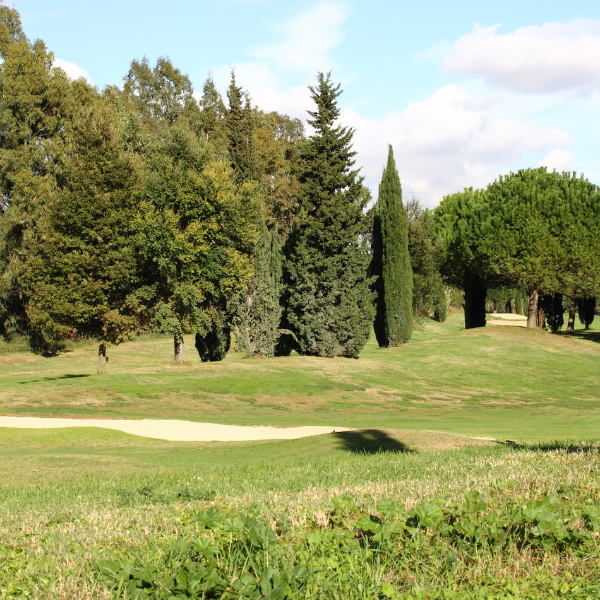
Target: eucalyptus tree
point(163, 94)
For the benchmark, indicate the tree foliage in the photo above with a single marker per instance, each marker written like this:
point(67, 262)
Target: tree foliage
point(81, 273)
point(534, 229)
point(256, 311)
point(162, 94)
point(328, 302)
point(391, 262)
point(195, 233)
point(38, 108)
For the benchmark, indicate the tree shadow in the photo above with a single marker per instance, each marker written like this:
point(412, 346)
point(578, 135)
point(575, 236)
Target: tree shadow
point(369, 441)
point(593, 336)
point(67, 376)
point(569, 446)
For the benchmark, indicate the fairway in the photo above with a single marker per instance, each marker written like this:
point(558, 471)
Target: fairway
point(97, 513)
point(501, 382)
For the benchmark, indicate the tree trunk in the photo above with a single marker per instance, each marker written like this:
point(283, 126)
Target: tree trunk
point(532, 311)
point(179, 349)
point(102, 358)
point(475, 294)
point(572, 311)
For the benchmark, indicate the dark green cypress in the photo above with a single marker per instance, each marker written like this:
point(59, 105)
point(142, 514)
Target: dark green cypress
point(519, 302)
point(329, 302)
point(587, 310)
point(391, 262)
point(214, 344)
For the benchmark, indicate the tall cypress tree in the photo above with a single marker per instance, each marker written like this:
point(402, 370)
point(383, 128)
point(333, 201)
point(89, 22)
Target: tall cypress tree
point(391, 262)
point(329, 301)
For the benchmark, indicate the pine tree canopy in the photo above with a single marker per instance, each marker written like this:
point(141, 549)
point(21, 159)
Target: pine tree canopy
point(329, 303)
point(534, 229)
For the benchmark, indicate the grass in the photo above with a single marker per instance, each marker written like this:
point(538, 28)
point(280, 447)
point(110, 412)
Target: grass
point(358, 525)
point(409, 506)
point(500, 382)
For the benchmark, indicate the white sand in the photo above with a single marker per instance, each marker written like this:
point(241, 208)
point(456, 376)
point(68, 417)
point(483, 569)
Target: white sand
point(174, 431)
point(509, 319)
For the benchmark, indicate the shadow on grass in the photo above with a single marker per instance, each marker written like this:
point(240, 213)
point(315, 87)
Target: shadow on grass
point(369, 441)
point(67, 376)
point(593, 336)
point(569, 446)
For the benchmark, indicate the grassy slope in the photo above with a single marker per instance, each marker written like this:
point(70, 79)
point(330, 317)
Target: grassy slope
point(500, 382)
point(54, 535)
point(69, 498)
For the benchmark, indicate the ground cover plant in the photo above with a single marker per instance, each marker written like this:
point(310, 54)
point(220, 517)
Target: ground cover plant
point(499, 521)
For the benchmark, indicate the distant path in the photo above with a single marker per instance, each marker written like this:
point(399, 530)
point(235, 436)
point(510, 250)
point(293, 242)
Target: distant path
point(175, 431)
point(507, 319)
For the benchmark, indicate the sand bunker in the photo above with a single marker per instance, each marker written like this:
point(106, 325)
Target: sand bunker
point(507, 319)
point(175, 431)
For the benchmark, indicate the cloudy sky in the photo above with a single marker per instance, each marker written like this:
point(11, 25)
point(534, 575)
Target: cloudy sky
point(463, 90)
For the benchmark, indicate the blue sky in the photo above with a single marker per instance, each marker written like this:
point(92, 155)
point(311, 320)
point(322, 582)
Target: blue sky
point(463, 90)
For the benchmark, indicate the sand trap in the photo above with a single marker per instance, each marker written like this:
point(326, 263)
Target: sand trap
point(175, 431)
point(509, 319)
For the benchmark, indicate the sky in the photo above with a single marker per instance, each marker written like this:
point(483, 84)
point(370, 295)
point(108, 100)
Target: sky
point(463, 91)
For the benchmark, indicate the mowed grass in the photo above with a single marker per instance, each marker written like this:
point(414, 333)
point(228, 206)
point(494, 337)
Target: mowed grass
point(486, 522)
point(409, 506)
point(500, 381)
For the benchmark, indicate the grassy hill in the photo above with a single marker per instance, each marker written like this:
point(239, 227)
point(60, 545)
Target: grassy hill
point(498, 382)
point(409, 506)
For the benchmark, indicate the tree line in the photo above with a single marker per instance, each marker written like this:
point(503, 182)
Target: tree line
point(142, 209)
point(532, 238)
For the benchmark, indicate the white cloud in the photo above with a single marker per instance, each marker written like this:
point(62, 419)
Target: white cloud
point(449, 141)
point(73, 70)
point(294, 103)
point(251, 76)
point(547, 58)
point(309, 38)
point(559, 159)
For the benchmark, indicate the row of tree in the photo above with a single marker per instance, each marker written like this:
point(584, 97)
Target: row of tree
point(140, 209)
point(535, 231)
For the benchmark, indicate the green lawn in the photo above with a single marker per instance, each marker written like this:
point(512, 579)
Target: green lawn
point(409, 506)
point(499, 381)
